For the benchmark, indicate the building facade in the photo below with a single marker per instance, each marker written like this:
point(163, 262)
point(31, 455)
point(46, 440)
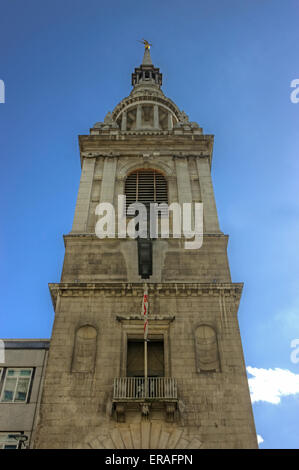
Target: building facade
point(21, 380)
point(96, 392)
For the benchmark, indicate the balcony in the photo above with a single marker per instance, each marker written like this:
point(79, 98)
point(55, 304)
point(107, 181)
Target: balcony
point(134, 388)
point(144, 393)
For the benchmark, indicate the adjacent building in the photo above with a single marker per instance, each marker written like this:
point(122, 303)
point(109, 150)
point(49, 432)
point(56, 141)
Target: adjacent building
point(21, 379)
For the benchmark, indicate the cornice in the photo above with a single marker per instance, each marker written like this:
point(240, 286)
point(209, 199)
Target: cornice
point(133, 290)
point(147, 156)
point(158, 318)
point(92, 236)
point(124, 139)
point(150, 156)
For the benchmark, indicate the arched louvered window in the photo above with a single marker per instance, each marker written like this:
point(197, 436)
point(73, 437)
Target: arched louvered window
point(146, 186)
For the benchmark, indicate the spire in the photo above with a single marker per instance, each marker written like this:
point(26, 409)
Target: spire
point(147, 56)
point(147, 74)
point(147, 60)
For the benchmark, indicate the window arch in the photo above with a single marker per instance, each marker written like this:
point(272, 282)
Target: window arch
point(146, 186)
point(207, 355)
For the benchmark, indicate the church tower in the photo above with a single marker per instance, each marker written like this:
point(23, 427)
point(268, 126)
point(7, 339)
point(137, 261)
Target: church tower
point(192, 390)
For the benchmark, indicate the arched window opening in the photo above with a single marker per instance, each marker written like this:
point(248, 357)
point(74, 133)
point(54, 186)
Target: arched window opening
point(146, 186)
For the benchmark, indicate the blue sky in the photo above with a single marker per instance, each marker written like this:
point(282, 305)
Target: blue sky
point(228, 64)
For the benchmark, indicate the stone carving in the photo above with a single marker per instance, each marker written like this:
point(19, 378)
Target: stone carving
point(207, 356)
point(185, 123)
point(146, 435)
point(108, 123)
point(120, 410)
point(108, 118)
point(84, 354)
point(170, 410)
point(145, 410)
point(183, 118)
point(98, 125)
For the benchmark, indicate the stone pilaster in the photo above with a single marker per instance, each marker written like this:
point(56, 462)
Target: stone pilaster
point(124, 121)
point(183, 179)
point(138, 116)
point(108, 182)
point(207, 193)
point(156, 116)
point(84, 196)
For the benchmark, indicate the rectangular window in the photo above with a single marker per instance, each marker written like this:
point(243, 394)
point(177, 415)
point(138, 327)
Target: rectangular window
point(16, 385)
point(135, 358)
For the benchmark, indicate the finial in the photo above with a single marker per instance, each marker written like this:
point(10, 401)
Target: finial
point(147, 56)
point(146, 44)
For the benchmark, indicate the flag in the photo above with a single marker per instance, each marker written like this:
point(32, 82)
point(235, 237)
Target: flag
point(145, 311)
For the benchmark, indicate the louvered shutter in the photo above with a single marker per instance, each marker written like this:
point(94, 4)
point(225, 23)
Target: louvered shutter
point(146, 186)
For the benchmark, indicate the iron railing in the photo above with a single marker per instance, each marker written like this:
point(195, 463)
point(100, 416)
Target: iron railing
point(138, 388)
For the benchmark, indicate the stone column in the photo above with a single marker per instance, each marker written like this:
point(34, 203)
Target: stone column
point(156, 116)
point(138, 116)
point(207, 194)
point(84, 196)
point(124, 121)
point(108, 181)
point(170, 121)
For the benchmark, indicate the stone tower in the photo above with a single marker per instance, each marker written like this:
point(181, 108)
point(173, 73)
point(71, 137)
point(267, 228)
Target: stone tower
point(95, 394)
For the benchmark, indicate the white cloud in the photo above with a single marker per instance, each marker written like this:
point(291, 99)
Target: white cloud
point(260, 440)
point(271, 384)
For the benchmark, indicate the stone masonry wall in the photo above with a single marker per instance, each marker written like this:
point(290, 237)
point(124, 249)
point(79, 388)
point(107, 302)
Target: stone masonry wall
point(214, 406)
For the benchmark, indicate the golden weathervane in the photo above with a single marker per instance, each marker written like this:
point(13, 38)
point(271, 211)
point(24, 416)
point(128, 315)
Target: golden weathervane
point(146, 44)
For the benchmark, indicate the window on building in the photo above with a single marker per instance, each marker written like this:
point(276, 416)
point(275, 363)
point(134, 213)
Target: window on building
point(16, 385)
point(8, 442)
point(146, 186)
point(13, 440)
point(135, 358)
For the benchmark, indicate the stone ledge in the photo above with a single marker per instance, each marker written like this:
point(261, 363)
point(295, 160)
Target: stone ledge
point(94, 237)
point(163, 318)
point(125, 289)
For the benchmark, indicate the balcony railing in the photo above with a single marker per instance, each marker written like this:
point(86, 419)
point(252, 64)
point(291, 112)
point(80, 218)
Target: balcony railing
point(139, 388)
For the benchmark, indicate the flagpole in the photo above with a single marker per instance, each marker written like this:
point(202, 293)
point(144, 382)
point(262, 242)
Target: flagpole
point(145, 313)
point(145, 367)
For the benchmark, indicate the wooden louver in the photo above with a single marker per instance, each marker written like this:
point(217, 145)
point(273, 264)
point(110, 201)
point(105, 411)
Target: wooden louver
point(146, 186)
